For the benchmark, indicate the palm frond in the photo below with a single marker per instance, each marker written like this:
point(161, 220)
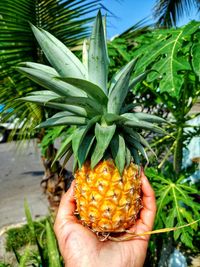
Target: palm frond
point(169, 12)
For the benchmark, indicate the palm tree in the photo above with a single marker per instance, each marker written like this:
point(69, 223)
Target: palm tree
point(169, 12)
point(68, 21)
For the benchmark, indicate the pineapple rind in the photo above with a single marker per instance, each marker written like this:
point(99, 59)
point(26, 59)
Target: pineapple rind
point(107, 201)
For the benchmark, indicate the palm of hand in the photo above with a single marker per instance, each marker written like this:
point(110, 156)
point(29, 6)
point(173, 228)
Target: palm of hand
point(80, 247)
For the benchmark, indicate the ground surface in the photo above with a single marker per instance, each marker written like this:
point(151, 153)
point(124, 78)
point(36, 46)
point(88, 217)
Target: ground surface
point(20, 176)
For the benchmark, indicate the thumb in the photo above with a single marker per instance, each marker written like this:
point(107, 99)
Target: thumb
point(66, 208)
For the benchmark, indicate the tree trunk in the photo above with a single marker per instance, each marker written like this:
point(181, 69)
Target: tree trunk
point(56, 179)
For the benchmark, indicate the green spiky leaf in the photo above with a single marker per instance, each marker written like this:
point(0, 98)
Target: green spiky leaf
point(39, 98)
point(91, 89)
point(80, 133)
point(85, 54)
point(52, 249)
point(40, 67)
point(85, 102)
point(45, 101)
point(118, 150)
point(98, 56)
point(68, 155)
point(110, 118)
point(135, 155)
point(148, 117)
point(71, 120)
point(62, 114)
point(63, 148)
point(117, 76)
point(137, 146)
point(48, 81)
point(120, 89)
point(139, 138)
point(84, 149)
point(104, 135)
point(143, 125)
point(59, 56)
point(128, 156)
point(138, 79)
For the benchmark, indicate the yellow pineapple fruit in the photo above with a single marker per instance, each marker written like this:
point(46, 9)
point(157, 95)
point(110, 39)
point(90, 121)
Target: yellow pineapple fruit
point(106, 200)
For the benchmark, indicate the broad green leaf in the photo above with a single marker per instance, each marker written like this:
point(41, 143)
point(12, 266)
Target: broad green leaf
point(118, 150)
point(90, 88)
point(104, 135)
point(120, 90)
point(98, 57)
point(48, 81)
point(84, 149)
point(181, 207)
point(187, 239)
point(163, 54)
point(195, 57)
point(188, 217)
point(52, 248)
point(171, 218)
point(71, 120)
point(59, 56)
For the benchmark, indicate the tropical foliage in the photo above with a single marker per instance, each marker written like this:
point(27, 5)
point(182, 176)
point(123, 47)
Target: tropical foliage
point(173, 87)
point(169, 12)
point(175, 81)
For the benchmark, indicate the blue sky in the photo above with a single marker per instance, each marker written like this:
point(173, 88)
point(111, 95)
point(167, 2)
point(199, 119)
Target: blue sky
point(129, 12)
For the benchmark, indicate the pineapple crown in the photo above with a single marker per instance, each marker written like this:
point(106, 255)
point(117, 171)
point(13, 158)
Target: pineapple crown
point(81, 92)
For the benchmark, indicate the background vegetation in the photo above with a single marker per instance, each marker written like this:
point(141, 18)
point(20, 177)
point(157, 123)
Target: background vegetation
point(171, 91)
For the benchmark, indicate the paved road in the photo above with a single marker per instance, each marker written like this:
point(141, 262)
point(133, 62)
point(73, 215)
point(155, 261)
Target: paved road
point(20, 176)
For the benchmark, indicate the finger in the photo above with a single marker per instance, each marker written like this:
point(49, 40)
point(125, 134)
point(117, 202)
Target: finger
point(67, 207)
point(147, 214)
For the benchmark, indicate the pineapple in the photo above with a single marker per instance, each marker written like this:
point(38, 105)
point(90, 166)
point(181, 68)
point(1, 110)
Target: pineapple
point(106, 142)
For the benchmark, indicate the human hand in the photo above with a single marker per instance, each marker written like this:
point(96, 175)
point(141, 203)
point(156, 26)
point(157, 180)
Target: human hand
point(80, 247)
